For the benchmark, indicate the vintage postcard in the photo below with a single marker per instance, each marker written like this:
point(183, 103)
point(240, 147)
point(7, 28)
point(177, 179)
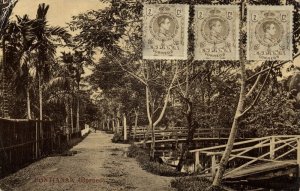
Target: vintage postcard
point(216, 32)
point(82, 110)
point(165, 31)
point(269, 32)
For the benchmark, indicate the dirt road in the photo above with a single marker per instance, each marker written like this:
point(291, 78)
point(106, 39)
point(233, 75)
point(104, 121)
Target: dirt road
point(98, 165)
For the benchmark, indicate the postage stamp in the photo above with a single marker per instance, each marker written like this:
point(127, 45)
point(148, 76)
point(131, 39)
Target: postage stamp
point(216, 32)
point(165, 31)
point(269, 33)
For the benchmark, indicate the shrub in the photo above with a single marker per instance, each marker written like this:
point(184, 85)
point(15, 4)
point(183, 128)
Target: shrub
point(117, 138)
point(143, 158)
point(193, 183)
point(134, 151)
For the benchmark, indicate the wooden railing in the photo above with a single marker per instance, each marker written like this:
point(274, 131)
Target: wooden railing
point(181, 134)
point(266, 149)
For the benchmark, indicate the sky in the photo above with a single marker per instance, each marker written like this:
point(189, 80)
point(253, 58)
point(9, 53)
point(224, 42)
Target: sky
point(60, 11)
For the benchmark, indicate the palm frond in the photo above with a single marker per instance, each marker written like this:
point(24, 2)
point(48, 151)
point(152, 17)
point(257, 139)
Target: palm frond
point(42, 11)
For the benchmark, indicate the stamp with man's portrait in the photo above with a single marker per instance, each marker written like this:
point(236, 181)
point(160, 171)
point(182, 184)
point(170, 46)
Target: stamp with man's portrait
point(216, 32)
point(165, 31)
point(269, 32)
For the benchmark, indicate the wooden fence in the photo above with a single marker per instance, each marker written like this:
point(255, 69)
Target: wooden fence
point(23, 141)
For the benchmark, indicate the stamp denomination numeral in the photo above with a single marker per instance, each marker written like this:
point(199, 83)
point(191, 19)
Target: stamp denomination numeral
point(254, 18)
point(229, 15)
point(200, 15)
point(178, 12)
point(149, 11)
point(283, 17)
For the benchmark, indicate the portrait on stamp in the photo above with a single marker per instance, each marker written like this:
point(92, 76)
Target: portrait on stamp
point(269, 33)
point(216, 32)
point(165, 31)
point(165, 27)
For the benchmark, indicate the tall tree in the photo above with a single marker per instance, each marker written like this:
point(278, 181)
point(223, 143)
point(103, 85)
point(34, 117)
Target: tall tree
point(45, 48)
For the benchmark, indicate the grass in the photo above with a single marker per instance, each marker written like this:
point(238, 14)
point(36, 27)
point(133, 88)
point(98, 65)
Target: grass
point(193, 183)
point(119, 138)
point(182, 182)
point(143, 158)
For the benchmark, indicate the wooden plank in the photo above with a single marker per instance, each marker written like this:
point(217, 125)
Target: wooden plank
point(197, 160)
point(249, 140)
point(272, 147)
point(259, 145)
point(254, 160)
point(236, 143)
point(183, 140)
point(260, 168)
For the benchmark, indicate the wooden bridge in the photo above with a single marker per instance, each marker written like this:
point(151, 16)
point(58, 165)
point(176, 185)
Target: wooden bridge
point(254, 159)
point(174, 134)
point(251, 158)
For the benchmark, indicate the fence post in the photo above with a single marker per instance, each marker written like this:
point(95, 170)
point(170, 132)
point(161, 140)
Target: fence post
point(118, 125)
point(298, 155)
point(213, 166)
point(272, 148)
point(197, 160)
point(113, 126)
point(125, 127)
point(52, 136)
point(36, 139)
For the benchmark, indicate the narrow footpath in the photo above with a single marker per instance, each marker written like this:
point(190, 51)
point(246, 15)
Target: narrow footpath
point(98, 165)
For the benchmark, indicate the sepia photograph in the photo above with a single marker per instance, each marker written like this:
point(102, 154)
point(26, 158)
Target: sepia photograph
point(149, 95)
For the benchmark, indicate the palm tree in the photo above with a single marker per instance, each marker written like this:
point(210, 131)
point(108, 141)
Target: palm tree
point(25, 26)
point(79, 60)
point(45, 48)
point(75, 64)
point(5, 12)
point(61, 88)
point(68, 60)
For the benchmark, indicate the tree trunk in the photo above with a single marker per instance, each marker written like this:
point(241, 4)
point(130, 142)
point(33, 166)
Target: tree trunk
point(192, 125)
point(41, 109)
point(28, 103)
point(78, 115)
point(107, 124)
point(125, 127)
point(239, 110)
point(149, 116)
point(135, 123)
point(72, 117)
point(118, 121)
point(152, 152)
point(118, 125)
point(4, 82)
point(113, 124)
point(67, 107)
point(40, 96)
point(222, 165)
